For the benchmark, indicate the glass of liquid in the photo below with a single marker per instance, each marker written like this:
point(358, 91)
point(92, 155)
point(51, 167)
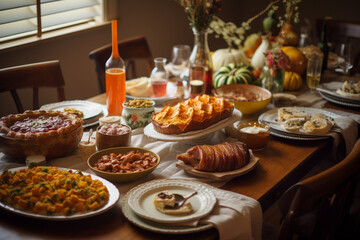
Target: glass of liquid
point(197, 81)
point(313, 71)
point(159, 78)
point(345, 58)
point(115, 90)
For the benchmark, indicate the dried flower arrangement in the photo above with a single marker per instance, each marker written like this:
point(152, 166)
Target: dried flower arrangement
point(234, 36)
point(200, 12)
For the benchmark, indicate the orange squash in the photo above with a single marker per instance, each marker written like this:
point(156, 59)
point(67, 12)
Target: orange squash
point(297, 59)
point(292, 81)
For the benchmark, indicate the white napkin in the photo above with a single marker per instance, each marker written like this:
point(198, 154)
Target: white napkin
point(235, 216)
point(309, 99)
point(348, 128)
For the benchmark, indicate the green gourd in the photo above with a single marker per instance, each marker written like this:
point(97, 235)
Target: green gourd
point(269, 23)
point(232, 74)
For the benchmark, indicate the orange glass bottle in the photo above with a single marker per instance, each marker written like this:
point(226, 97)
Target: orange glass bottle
point(115, 77)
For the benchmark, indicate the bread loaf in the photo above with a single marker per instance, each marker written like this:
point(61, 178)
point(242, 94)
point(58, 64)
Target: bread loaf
point(285, 113)
point(193, 114)
point(318, 124)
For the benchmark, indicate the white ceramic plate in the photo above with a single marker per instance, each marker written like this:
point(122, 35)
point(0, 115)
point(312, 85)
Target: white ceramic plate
point(333, 99)
point(156, 226)
point(330, 90)
point(141, 200)
point(90, 109)
point(114, 197)
point(220, 176)
point(272, 115)
point(152, 133)
point(295, 137)
point(157, 101)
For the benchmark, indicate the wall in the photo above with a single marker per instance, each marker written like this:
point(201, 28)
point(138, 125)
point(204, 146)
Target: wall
point(164, 24)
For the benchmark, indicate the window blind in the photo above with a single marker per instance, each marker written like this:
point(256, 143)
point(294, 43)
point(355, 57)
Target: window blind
point(20, 18)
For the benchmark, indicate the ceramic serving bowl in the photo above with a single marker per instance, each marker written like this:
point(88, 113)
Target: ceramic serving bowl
point(137, 117)
point(254, 134)
point(121, 177)
point(252, 98)
point(115, 139)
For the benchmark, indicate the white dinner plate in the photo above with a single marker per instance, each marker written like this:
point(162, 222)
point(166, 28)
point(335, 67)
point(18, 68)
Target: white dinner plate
point(331, 88)
point(282, 134)
point(152, 133)
point(114, 197)
point(89, 109)
point(220, 176)
point(158, 100)
point(278, 130)
point(141, 200)
point(334, 99)
point(156, 226)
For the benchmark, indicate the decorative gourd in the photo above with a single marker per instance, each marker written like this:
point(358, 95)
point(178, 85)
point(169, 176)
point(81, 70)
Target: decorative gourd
point(251, 43)
point(292, 81)
point(232, 74)
point(297, 60)
point(288, 35)
point(258, 59)
point(270, 22)
point(225, 56)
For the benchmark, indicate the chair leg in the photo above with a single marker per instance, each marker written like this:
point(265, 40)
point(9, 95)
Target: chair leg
point(17, 101)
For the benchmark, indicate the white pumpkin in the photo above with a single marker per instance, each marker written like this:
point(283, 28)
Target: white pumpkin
point(258, 59)
point(225, 56)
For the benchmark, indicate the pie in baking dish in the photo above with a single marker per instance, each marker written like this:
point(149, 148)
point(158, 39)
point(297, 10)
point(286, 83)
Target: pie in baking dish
point(48, 133)
point(37, 124)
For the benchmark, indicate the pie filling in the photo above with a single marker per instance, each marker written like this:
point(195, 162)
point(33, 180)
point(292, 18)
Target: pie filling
point(40, 124)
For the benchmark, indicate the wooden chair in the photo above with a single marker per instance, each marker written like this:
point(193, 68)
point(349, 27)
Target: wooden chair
point(36, 75)
point(129, 50)
point(342, 31)
point(322, 201)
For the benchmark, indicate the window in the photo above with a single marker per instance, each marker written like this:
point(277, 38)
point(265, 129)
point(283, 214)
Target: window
point(23, 18)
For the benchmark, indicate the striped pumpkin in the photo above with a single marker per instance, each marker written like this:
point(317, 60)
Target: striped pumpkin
point(292, 81)
point(232, 74)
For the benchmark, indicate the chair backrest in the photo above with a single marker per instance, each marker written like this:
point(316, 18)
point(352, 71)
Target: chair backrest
point(328, 195)
point(342, 31)
point(36, 75)
point(129, 50)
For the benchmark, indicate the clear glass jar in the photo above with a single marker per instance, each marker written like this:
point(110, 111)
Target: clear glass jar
point(273, 80)
point(200, 64)
point(159, 78)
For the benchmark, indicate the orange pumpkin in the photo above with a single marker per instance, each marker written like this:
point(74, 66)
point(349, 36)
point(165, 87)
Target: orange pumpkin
point(297, 59)
point(292, 81)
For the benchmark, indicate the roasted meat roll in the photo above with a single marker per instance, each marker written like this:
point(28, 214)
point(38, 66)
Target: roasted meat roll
point(217, 158)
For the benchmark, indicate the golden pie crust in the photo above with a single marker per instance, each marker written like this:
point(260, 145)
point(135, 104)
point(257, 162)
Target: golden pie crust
point(193, 114)
point(51, 142)
point(9, 120)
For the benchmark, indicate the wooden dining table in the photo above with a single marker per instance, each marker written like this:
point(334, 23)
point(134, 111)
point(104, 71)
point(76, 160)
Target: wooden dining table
point(282, 163)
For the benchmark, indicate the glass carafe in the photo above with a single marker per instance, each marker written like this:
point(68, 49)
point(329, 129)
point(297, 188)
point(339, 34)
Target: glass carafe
point(115, 77)
point(159, 78)
point(200, 64)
